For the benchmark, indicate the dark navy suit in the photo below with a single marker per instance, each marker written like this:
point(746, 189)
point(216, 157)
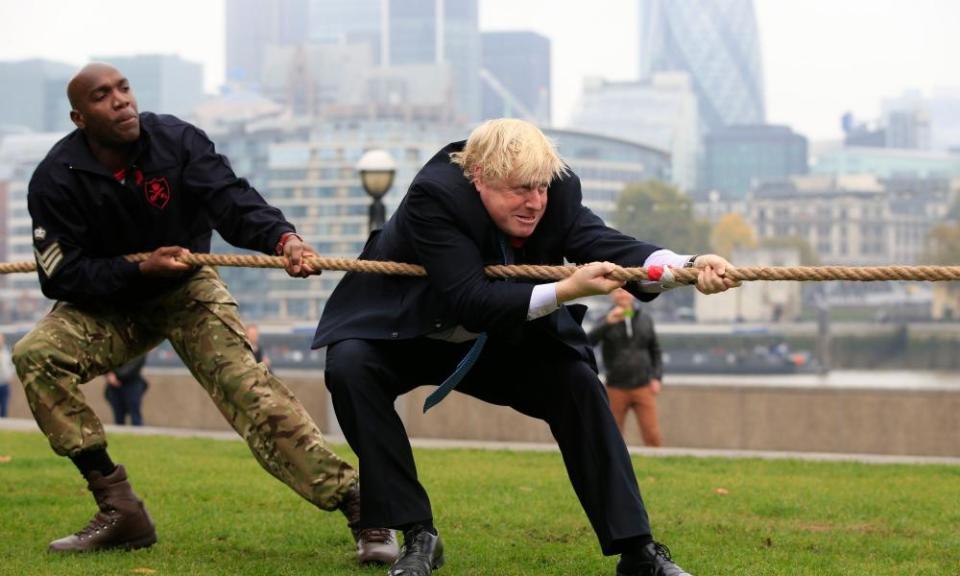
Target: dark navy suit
point(377, 332)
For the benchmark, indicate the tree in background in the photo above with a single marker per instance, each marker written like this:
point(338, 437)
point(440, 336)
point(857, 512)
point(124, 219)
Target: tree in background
point(944, 245)
point(656, 212)
point(731, 233)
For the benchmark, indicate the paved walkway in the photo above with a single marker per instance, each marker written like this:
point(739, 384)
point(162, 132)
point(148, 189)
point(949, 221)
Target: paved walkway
point(30, 425)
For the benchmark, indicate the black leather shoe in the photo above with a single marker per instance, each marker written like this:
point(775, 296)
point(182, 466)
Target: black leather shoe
point(653, 560)
point(422, 553)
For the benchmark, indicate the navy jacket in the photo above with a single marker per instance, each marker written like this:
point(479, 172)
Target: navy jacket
point(177, 190)
point(443, 225)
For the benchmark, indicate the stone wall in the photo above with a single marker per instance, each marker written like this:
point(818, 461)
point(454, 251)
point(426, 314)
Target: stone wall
point(856, 419)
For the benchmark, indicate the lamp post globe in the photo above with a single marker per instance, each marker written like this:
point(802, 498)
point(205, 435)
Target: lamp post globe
point(377, 169)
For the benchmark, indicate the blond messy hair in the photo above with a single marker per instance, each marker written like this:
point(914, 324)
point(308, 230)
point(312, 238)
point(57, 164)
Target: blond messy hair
point(509, 149)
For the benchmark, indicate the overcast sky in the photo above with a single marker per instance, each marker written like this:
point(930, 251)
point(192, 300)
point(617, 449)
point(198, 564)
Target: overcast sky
point(821, 57)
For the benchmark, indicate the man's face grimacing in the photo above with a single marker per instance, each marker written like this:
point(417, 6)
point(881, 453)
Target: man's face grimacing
point(515, 207)
point(105, 107)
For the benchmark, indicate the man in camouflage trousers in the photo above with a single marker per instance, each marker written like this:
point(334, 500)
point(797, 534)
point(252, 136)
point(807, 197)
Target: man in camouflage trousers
point(125, 182)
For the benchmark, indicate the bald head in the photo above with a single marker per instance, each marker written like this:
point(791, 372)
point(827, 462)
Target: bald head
point(84, 80)
point(103, 105)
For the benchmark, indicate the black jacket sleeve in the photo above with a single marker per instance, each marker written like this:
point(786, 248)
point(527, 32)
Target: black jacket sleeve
point(66, 271)
point(236, 210)
point(454, 264)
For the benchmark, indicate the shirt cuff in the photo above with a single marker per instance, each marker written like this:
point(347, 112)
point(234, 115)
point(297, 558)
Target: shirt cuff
point(662, 257)
point(543, 300)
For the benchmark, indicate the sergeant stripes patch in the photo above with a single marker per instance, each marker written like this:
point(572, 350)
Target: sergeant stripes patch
point(49, 259)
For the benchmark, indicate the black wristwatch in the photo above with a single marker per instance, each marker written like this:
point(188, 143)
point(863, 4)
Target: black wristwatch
point(689, 263)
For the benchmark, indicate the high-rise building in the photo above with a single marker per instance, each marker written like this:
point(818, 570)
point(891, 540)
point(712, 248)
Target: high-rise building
point(253, 25)
point(737, 158)
point(717, 44)
point(659, 113)
point(440, 31)
point(516, 76)
point(34, 95)
point(914, 120)
point(945, 119)
point(310, 78)
point(411, 33)
point(353, 22)
point(162, 83)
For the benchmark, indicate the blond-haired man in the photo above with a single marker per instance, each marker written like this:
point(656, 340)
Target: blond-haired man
point(503, 196)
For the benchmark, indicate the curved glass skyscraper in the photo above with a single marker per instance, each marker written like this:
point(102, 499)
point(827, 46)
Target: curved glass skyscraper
point(717, 44)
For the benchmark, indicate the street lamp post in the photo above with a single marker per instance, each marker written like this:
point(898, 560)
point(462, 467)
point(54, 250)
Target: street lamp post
point(377, 169)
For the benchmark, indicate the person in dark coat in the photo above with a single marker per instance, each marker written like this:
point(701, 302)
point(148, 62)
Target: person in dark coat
point(633, 364)
point(124, 182)
point(125, 389)
point(503, 196)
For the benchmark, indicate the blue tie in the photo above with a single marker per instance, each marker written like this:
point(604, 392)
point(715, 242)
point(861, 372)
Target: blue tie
point(467, 362)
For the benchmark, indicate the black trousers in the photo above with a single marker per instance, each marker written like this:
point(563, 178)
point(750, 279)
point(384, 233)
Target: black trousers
point(126, 399)
point(542, 379)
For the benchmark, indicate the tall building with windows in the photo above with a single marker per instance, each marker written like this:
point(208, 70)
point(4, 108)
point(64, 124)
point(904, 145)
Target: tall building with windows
point(737, 158)
point(714, 41)
point(853, 220)
point(516, 76)
point(660, 113)
point(253, 25)
point(915, 120)
point(350, 23)
point(411, 33)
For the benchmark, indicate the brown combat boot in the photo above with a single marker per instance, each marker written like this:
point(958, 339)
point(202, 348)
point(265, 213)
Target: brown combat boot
point(122, 521)
point(374, 545)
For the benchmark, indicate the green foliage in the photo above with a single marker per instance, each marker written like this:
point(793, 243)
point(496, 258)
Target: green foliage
point(503, 513)
point(658, 213)
point(944, 245)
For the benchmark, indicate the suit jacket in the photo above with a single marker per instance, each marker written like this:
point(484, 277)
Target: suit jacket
point(442, 224)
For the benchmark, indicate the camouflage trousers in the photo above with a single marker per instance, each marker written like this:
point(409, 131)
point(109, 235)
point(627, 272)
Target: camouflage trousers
point(73, 345)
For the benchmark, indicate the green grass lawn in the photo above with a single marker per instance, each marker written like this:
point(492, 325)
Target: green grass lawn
point(217, 512)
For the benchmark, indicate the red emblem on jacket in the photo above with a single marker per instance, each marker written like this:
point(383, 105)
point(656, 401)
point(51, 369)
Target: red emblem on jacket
point(157, 191)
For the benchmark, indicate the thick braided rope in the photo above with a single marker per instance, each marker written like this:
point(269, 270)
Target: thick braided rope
point(686, 276)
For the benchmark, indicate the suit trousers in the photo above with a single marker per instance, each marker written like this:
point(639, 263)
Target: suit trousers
point(541, 378)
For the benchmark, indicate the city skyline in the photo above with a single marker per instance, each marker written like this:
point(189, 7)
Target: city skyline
point(865, 51)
